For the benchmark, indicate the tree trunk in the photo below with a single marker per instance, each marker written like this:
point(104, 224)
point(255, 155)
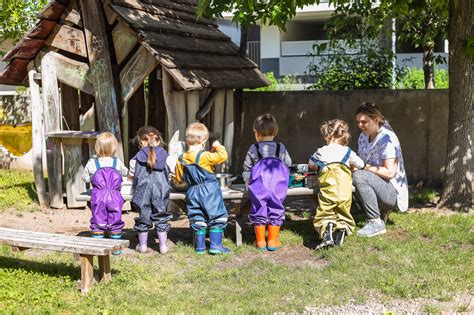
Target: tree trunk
point(237, 143)
point(458, 185)
point(428, 66)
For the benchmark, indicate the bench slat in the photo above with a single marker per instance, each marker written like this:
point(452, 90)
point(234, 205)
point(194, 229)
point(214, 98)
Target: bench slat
point(6, 233)
point(60, 242)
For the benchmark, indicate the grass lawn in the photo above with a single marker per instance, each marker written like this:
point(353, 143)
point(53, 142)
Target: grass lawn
point(423, 255)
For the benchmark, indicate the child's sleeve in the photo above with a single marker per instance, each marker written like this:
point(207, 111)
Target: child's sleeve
point(88, 171)
point(286, 158)
point(121, 168)
point(218, 157)
point(356, 161)
point(132, 164)
point(178, 174)
point(249, 160)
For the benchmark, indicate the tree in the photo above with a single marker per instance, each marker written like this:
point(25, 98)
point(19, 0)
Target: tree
point(17, 17)
point(458, 187)
point(459, 183)
point(420, 22)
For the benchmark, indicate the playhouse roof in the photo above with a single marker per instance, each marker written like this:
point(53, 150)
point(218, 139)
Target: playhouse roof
point(193, 51)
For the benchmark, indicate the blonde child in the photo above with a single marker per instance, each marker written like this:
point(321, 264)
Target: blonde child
point(105, 172)
point(333, 163)
point(151, 189)
point(204, 200)
point(267, 165)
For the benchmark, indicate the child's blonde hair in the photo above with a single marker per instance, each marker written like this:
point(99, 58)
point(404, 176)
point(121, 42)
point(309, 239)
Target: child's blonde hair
point(266, 125)
point(336, 130)
point(149, 136)
point(106, 145)
point(196, 133)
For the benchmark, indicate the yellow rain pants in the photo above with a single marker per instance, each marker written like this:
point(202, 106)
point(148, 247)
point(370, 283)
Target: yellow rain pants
point(335, 198)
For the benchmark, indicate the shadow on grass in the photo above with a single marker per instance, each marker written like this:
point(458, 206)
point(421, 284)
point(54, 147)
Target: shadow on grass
point(48, 268)
point(29, 187)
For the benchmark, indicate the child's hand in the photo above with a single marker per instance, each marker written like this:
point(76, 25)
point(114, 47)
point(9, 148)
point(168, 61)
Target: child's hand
point(216, 144)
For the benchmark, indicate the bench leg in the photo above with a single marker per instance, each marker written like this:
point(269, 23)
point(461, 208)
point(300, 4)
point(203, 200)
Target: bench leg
point(105, 275)
point(87, 272)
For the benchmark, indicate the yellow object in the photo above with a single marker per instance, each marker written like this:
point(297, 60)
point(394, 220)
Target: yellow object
point(207, 161)
point(335, 198)
point(16, 139)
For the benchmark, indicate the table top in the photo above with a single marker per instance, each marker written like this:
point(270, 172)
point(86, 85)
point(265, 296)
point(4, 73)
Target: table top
point(236, 192)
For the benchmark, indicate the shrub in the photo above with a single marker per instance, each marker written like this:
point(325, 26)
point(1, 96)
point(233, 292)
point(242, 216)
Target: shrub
point(413, 78)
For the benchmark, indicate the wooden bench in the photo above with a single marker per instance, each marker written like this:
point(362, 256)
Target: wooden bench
point(85, 247)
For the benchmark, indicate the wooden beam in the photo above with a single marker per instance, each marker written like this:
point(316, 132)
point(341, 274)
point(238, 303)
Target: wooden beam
point(71, 15)
point(229, 123)
point(156, 103)
point(69, 39)
point(72, 148)
point(192, 106)
point(110, 14)
point(136, 116)
point(135, 71)
point(37, 139)
point(218, 114)
point(124, 41)
point(169, 104)
point(207, 105)
point(101, 69)
point(52, 122)
point(180, 105)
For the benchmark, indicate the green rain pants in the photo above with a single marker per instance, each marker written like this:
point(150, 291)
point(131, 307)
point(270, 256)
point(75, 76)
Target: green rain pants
point(335, 198)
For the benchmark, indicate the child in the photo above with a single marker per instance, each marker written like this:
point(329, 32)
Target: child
point(335, 184)
point(151, 190)
point(204, 196)
point(105, 173)
point(267, 162)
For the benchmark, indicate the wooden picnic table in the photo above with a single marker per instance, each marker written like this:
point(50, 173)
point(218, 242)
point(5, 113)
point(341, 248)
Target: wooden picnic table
point(237, 194)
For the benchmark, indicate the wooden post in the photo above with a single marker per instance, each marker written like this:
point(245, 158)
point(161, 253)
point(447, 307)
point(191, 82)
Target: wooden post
point(136, 114)
point(219, 112)
point(105, 274)
point(101, 69)
point(173, 124)
point(52, 122)
point(229, 124)
point(38, 139)
point(87, 272)
point(156, 103)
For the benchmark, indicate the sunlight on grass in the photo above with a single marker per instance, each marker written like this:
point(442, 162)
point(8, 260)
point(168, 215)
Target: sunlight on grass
point(421, 256)
point(17, 191)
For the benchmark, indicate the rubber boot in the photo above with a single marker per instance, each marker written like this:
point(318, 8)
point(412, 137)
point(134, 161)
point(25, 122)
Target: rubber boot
point(200, 241)
point(97, 234)
point(273, 242)
point(142, 246)
point(216, 247)
point(116, 235)
point(260, 241)
point(163, 236)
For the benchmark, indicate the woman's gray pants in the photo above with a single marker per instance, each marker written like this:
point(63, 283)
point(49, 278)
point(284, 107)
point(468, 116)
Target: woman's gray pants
point(374, 193)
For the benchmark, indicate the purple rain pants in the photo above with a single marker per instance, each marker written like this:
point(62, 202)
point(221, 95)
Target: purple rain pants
point(268, 186)
point(106, 201)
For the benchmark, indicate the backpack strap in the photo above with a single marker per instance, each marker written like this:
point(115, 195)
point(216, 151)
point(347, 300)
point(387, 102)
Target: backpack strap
point(198, 156)
point(114, 163)
point(258, 151)
point(346, 157)
point(277, 152)
point(97, 164)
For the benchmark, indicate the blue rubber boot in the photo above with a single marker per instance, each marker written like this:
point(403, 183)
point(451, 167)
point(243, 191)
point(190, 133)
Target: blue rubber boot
point(216, 247)
point(116, 235)
point(97, 234)
point(200, 241)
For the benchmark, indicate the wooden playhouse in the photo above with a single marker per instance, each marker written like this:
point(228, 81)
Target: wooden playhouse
point(117, 65)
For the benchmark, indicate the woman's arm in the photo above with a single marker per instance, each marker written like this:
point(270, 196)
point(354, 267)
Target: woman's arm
point(387, 170)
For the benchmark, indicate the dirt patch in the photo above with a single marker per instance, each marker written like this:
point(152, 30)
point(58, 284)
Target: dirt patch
point(291, 256)
point(463, 303)
point(398, 234)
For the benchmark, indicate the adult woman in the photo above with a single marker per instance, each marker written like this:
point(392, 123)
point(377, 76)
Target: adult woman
point(382, 184)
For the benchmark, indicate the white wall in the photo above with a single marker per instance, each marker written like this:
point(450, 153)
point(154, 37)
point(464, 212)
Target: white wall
point(270, 42)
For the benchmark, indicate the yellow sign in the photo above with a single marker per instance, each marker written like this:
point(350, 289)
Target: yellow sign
point(16, 139)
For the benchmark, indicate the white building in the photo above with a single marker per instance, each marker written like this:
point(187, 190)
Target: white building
point(291, 52)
